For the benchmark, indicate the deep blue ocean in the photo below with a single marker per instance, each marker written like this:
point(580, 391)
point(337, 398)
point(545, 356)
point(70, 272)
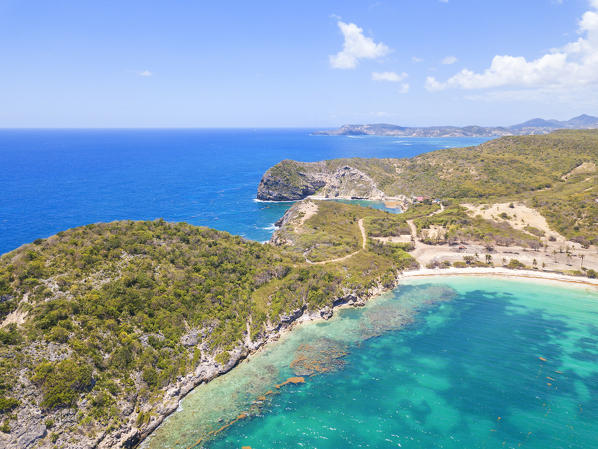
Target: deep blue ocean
point(52, 180)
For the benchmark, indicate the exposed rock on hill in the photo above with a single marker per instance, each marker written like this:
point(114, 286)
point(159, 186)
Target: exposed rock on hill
point(292, 180)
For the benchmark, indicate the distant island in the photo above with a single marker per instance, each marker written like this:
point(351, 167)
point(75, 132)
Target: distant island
point(531, 127)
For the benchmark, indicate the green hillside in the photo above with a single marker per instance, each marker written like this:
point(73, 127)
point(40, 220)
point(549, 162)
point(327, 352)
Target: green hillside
point(104, 318)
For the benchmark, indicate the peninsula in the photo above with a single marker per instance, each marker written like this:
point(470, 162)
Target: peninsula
point(516, 201)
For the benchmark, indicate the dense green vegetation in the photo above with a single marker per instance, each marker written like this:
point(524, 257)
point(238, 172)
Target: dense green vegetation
point(332, 232)
point(570, 207)
point(120, 310)
point(387, 225)
point(504, 166)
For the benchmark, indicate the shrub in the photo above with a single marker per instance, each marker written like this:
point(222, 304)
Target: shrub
point(150, 376)
point(7, 404)
point(59, 334)
point(514, 264)
point(535, 231)
point(9, 335)
point(62, 382)
point(222, 358)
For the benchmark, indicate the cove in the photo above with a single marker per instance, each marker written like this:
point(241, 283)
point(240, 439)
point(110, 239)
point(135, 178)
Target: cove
point(447, 362)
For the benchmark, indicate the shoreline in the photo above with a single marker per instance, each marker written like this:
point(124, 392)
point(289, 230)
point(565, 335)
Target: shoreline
point(303, 316)
point(500, 272)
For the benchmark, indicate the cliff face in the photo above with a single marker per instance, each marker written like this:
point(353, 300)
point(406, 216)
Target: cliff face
point(291, 181)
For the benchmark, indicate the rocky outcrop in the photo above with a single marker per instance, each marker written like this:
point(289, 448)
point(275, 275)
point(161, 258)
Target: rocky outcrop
point(272, 188)
point(292, 181)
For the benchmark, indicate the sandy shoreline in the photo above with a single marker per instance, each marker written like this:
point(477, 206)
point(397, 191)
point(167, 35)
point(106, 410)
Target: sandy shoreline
point(499, 272)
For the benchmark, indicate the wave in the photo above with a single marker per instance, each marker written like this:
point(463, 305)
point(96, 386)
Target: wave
point(270, 227)
point(256, 200)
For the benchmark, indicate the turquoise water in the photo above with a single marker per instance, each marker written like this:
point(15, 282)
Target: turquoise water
point(459, 362)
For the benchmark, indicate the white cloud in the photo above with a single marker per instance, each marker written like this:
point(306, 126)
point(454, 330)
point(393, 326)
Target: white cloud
point(404, 88)
point(449, 60)
point(145, 73)
point(355, 47)
point(389, 76)
point(574, 64)
point(416, 60)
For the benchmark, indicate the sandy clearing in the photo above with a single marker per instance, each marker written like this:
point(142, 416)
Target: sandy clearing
point(585, 167)
point(550, 259)
point(15, 317)
point(519, 216)
point(309, 209)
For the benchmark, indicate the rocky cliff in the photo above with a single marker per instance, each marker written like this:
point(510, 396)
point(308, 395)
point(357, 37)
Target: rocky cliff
point(291, 180)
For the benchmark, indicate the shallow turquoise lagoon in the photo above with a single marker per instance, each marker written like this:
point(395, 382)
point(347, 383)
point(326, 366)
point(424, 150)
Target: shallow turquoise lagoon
point(455, 362)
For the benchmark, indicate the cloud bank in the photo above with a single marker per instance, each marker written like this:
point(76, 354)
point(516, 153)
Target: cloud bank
point(573, 65)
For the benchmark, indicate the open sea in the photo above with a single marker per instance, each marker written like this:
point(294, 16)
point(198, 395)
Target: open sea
point(53, 180)
point(445, 362)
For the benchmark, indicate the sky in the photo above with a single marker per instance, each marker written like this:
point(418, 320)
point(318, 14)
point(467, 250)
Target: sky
point(194, 63)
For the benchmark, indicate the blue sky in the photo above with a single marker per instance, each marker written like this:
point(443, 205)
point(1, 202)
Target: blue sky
point(318, 63)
